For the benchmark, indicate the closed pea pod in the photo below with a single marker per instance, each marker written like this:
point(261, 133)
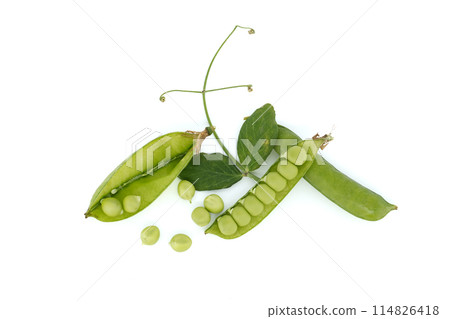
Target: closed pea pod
point(140, 179)
point(260, 208)
point(339, 188)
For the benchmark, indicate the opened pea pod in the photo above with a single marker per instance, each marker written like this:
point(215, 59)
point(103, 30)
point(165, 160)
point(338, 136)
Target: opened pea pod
point(141, 178)
point(278, 181)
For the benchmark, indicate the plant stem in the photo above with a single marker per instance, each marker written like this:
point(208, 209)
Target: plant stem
point(249, 86)
point(254, 177)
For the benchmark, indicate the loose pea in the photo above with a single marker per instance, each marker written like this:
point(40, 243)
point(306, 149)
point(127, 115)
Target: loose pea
point(201, 216)
point(111, 207)
point(227, 225)
point(150, 235)
point(180, 242)
point(213, 203)
point(186, 190)
point(240, 215)
point(264, 193)
point(131, 203)
point(297, 155)
point(288, 170)
point(275, 181)
point(253, 205)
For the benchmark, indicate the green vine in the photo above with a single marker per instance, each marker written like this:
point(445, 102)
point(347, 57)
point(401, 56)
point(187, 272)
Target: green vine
point(205, 107)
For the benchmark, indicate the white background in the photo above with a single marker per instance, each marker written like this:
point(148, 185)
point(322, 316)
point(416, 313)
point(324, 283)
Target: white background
point(77, 79)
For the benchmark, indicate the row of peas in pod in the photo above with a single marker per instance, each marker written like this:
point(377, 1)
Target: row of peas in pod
point(256, 204)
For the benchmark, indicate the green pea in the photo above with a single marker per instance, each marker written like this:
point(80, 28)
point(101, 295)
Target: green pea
point(180, 242)
point(275, 181)
point(227, 225)
point(240, 215)
point(150, 235)
point(131, 203)
point(186, 190)
point(288, 170)
point(111, 207)
point(253, 205)
point(201, 216)
point(213, 203)
point(297, 155)
point(264, 193)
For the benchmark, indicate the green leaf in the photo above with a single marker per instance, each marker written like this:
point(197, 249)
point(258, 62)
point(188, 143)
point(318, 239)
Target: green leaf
point(253, 145)
point(211, 171)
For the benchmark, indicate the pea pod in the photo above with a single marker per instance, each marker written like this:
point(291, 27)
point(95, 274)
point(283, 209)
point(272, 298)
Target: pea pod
point(341, 189)
point(257, 204)
point(141, 178)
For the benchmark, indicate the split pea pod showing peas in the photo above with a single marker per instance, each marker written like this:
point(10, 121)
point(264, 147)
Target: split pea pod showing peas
point(141, 178)
point(341, 189)
point(279, 180)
